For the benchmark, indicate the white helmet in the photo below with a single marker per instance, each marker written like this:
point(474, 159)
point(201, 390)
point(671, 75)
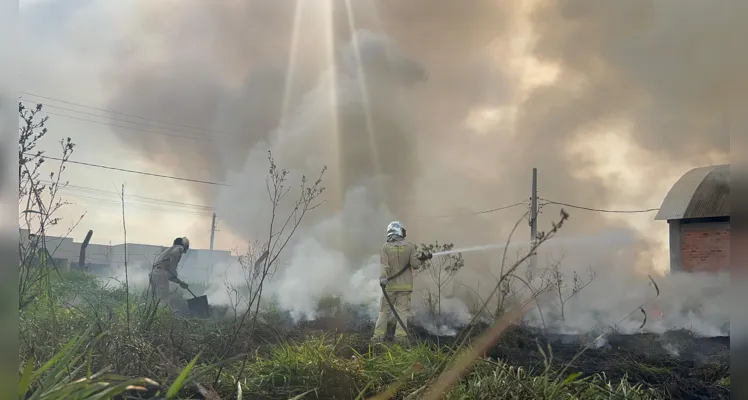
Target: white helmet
point(396, 228)
point(186, 243)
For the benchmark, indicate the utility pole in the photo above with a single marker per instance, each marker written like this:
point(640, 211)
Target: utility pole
point(533, 215)
point(212, 231)
point(212, 240)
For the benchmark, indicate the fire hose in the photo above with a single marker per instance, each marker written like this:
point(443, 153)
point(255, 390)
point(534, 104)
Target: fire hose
point(392, 307)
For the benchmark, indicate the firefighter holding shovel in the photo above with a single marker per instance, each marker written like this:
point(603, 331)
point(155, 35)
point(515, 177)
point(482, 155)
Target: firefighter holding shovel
point(398, 258)
point(165, 270)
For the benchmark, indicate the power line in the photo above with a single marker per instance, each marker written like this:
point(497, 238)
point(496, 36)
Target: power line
point(120, 120)
point(132, 196)
point(130, 115)
point(202, 135)
point(96, 201)
point(129, 127)
point(100, 202)
point(598, 209)
point(144, 198)
point(131, 171)
point(478, 212)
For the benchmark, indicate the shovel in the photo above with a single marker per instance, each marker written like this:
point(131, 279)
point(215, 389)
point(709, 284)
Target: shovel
point(198, 305)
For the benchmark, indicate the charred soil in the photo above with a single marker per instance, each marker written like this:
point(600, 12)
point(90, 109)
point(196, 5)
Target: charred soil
point(678, 364)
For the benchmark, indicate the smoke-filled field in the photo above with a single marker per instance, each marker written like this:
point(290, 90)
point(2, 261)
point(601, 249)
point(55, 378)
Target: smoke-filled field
point(330, 357)
point(294, 132)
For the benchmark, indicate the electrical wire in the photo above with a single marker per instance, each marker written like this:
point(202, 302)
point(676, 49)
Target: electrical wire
point(116, 119)
point(202, 136)
point(129, 115)
point(131, 128)
point(98, 201)
point(599, 209)
point(68, 186)
point(130, 171)
point(477, 212)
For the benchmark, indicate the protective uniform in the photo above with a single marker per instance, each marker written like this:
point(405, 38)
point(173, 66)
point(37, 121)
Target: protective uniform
point(398, 258)
point(165, 270)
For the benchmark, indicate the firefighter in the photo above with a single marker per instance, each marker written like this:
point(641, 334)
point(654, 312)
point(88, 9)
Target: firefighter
point(398, 258)
point(165, 270)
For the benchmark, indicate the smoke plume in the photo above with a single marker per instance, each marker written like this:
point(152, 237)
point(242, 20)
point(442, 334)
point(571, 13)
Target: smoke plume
point(425, 108)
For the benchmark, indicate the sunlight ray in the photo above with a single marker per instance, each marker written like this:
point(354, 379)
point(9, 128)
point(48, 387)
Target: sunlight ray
point(332, 87)
point(292, 56)
point(364, 93)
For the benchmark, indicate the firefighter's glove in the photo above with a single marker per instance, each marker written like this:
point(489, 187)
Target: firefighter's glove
point(383, 281)
point(183, 284)
point(425, 256)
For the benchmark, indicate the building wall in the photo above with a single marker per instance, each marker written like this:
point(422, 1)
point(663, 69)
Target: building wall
point(197, 265)
point(705, 246)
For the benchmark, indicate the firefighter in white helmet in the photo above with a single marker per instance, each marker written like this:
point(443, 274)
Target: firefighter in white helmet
point(165, 270)
point(398, 258)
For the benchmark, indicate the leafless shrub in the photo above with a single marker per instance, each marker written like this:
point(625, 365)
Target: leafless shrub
point(562, 288)
point(280, 231)
point(513, 288)
point(442, 271)
point(38, 203)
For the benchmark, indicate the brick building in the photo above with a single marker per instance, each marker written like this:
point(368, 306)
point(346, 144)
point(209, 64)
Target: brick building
point(697, 209)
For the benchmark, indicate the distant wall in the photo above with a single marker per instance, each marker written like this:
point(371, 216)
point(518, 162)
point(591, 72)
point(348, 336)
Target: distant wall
point(197, 265)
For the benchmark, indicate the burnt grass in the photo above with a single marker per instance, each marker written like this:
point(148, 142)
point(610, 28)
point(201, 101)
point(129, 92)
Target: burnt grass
point(678, 364)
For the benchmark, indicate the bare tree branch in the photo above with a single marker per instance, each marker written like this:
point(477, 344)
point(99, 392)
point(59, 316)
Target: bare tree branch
point(279, 235)
point(442, 271)
point(38, 203)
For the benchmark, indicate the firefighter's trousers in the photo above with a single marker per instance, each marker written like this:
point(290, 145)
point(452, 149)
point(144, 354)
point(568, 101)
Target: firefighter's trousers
point(401, 301)
point(159, 282)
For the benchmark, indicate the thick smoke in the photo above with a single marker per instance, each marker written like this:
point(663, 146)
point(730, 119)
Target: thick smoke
point(452, 124)
point(330, 254)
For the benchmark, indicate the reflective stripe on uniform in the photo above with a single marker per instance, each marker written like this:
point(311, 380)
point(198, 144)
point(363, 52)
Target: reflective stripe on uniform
point(399, 288)
point(399, 249)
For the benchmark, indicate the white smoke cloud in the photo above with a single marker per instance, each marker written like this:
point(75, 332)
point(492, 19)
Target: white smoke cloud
point(314, 266)
point(334, 253)
point(696, 302)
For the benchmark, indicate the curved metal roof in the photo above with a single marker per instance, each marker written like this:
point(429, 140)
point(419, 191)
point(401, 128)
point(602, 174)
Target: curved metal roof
point(700, 193)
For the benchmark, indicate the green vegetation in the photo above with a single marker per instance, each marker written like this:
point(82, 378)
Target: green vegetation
point(77, 345)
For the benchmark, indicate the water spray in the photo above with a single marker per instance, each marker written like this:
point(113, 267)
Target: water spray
point(469, 249)
point(619, 238)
